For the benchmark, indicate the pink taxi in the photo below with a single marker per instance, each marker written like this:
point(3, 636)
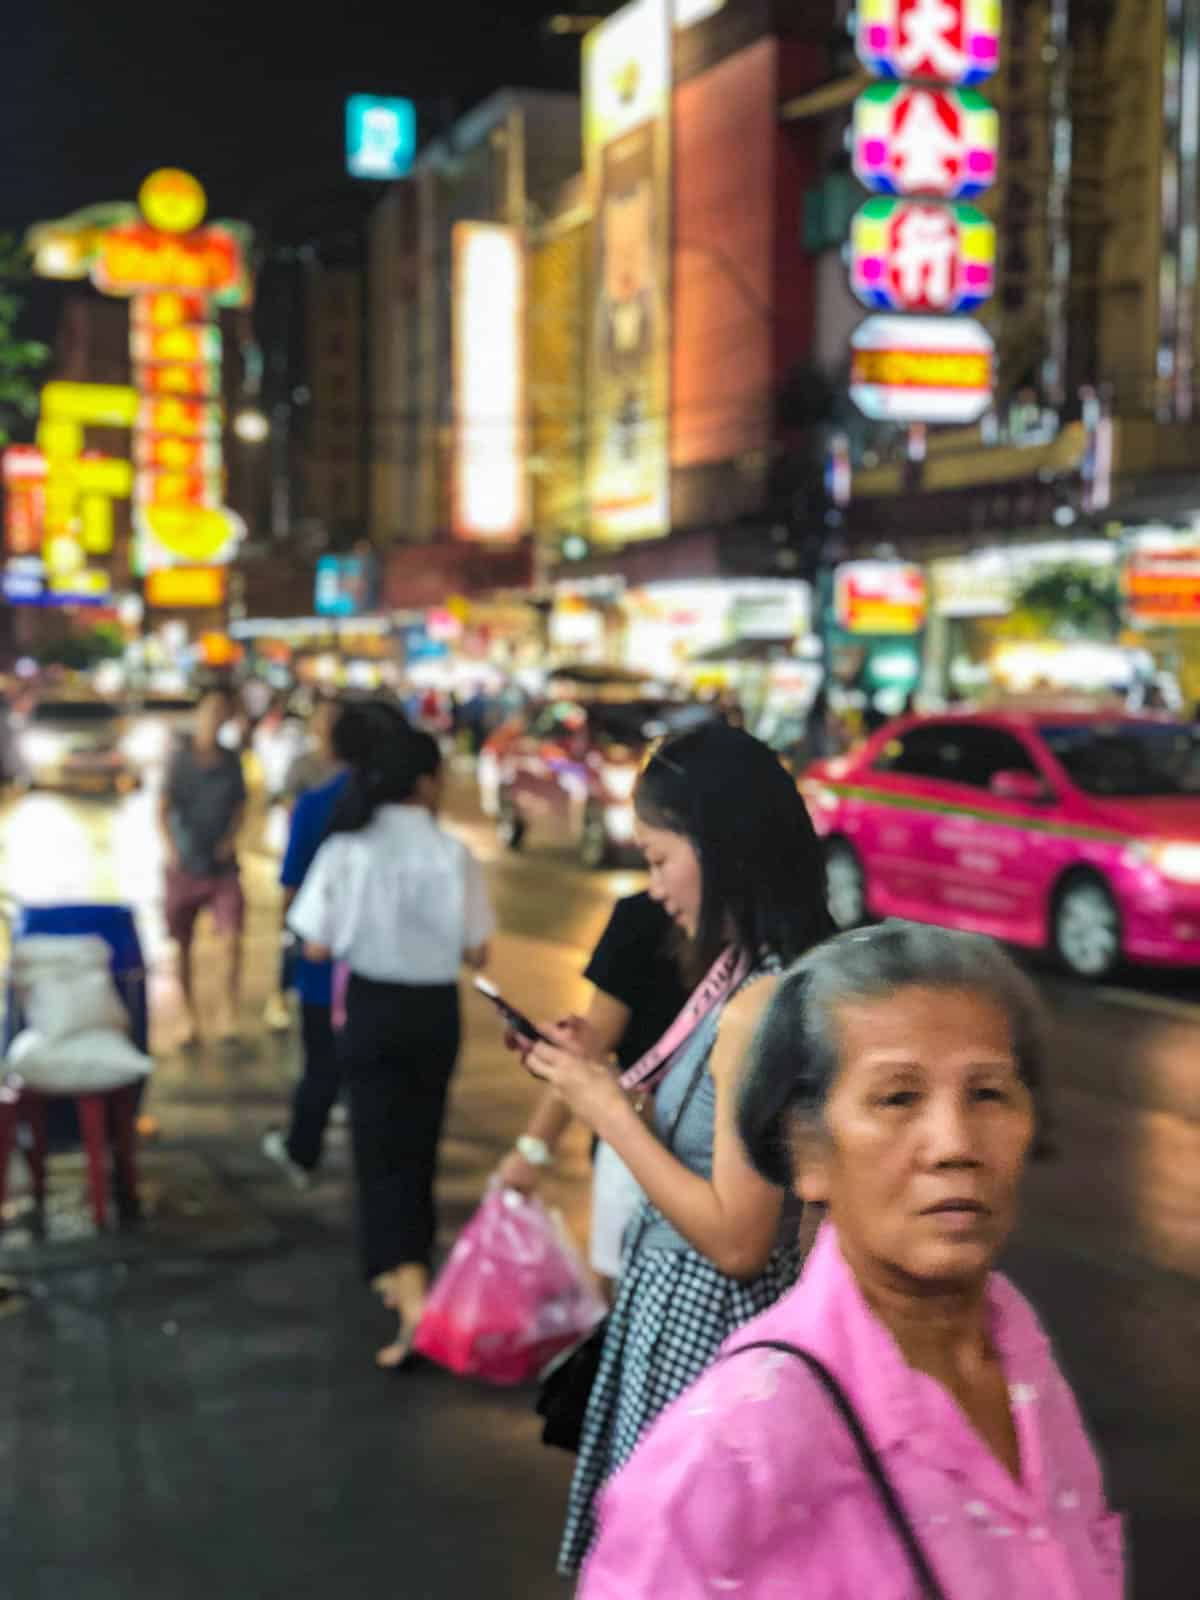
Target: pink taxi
point(1074, 832)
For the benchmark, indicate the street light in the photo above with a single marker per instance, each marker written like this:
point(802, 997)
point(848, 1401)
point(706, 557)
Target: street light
point(251, 426)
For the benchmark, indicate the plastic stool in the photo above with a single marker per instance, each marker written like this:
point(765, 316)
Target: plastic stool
point(94, 1111)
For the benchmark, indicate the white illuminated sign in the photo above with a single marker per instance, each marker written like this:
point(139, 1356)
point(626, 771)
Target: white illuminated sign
point(921, 369)
point(489, 391)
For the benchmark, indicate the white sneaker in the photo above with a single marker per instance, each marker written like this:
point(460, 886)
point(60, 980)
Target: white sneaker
point(276, 1015)
point(274, 1147)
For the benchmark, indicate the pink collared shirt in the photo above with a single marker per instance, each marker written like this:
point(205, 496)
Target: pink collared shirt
point(750, 1486)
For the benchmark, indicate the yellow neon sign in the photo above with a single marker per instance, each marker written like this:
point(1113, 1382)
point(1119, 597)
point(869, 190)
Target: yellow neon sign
point(102, 405)
point(173, 200)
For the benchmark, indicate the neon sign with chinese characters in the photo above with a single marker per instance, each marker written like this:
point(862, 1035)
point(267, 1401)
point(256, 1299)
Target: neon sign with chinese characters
point(910, 255)
point(908, 139)
point(949, 41)
point(925, 137)
point(177, 273)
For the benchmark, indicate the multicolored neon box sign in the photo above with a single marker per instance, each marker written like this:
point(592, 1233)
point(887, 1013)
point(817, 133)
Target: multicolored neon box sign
point(911, 255)
point(912, 140)
point(948, 41)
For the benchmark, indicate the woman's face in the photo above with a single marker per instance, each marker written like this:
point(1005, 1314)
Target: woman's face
point(927, 1130)
point(675, 877)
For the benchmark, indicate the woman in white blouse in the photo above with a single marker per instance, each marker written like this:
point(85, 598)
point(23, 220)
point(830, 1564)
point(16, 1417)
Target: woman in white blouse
point(403, 904)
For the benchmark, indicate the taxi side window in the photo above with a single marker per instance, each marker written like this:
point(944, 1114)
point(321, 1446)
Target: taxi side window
point(934, 750)
point(987, 751)
point(955, 753)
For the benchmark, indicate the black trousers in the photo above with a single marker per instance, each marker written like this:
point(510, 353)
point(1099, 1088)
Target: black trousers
point(318, 1087)
point(399, 1049)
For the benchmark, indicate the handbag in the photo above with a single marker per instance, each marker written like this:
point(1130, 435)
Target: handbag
point(565, 1386)
point(931, 1589)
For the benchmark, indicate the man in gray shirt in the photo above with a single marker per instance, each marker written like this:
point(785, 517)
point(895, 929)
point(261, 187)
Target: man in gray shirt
point(200, 812)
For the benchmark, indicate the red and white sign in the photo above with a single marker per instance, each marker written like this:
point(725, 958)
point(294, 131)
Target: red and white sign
point(910, 139)
point(1161, 584)
point(952, 41)
point(921, 369)
point(873, 597)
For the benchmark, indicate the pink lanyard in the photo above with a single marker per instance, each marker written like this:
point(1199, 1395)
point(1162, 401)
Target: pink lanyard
point(728, 971)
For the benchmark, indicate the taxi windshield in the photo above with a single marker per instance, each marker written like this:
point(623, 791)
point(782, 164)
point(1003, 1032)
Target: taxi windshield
point(1127, 759)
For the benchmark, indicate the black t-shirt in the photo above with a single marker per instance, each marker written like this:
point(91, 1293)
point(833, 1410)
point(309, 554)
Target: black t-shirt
point(633, 963)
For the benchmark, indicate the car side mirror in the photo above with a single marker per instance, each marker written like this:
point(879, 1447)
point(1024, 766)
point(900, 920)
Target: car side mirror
point(1026, 787)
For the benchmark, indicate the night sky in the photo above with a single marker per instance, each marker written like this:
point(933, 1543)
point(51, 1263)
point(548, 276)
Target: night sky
point(248, 96)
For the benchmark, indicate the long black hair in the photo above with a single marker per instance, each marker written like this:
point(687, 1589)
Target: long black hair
point(762, 866)
point(386, 756)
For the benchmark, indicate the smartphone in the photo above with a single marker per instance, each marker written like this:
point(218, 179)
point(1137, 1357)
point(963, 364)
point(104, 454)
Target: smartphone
point(517, 1021)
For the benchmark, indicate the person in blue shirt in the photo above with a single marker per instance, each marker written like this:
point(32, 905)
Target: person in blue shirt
point(298, 1151)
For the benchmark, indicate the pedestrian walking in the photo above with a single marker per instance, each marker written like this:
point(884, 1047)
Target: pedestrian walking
point(277, 742)
point(403, 904)
point(298, 1151)
point(893, 1082)
point(734, 861)
point(317, 763)
point(637, 992)
point(200, 813)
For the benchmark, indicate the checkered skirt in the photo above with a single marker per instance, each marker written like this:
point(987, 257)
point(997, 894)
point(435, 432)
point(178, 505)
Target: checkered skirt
point(674, 1310)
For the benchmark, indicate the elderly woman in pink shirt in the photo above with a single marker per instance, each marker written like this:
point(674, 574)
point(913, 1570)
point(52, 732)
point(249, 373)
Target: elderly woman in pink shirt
point(892, 1083)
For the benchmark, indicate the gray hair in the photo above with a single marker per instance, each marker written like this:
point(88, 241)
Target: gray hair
point(794, 1059)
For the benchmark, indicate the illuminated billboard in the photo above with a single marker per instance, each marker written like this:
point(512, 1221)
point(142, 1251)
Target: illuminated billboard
point(627, 149)
point(488, 343)
point(381, 137)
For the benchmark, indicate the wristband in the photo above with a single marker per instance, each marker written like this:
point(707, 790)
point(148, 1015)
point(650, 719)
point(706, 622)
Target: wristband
point(536, 1151)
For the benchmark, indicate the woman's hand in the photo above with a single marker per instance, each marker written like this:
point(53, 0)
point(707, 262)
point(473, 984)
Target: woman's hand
point(514, 1172)
point(587, 1086)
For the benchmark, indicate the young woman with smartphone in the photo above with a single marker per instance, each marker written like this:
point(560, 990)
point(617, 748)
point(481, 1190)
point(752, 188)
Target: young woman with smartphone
point(735, 863)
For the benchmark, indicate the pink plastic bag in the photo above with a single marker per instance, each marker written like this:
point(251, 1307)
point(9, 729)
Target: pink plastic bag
point(513, 1294)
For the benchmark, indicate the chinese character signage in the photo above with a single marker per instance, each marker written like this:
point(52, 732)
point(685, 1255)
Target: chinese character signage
point(177, 272)
point(921, 369)
point(879, 597)
point(381, 137)
point(928, 141)
point(910, 255)
point(627, 153)
point(912, 140)
point(950, 41)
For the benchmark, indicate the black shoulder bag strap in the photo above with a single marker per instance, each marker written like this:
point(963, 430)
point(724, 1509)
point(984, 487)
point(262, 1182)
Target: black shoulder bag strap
point(931, 1589)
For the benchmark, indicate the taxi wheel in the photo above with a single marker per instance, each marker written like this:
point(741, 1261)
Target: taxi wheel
point(509, 825)
point(845, 886)
point(1086, 927)
point(594, 849)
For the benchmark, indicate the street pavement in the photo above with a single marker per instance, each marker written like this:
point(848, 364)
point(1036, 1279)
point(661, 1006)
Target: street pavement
point(192, 1408)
